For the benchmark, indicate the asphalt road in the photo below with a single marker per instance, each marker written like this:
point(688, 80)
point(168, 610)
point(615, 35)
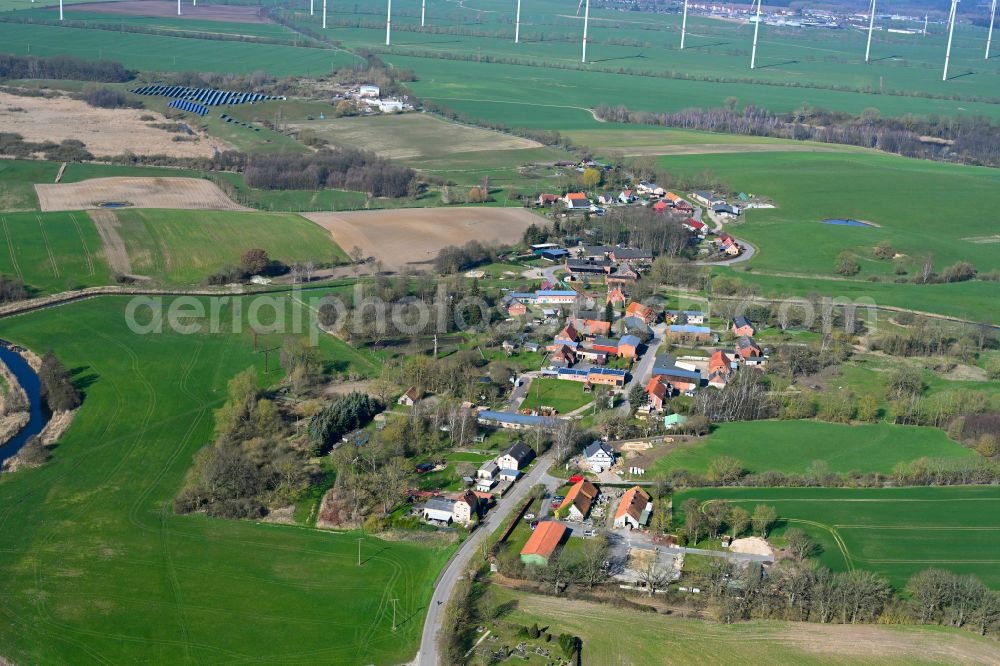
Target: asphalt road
point(458, 565)
point(643, 370)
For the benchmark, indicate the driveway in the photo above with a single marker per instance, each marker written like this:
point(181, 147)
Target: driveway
point(643, 370)
point(460, 561)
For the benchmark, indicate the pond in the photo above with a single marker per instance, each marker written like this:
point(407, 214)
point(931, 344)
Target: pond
point(848, 223)
point(38, 415)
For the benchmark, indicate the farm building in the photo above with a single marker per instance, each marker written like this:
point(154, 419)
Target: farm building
point(628, 346)
point(606, 376)
point(633, 509)
point(466, 506)
point(593, 327)
point(555, 297)
point(631, 254)
point(547, 200)
point(600, 456)
point(543, 542)
point(510, 421)
point(579, 498)
point(658, 390)
point(671, 421)
point(725, 210)
point(706, 199)
point(749, 351)
point(689, 331)
point(440, 509)
point(720, 368)
point(593, 266)
point(606, 345)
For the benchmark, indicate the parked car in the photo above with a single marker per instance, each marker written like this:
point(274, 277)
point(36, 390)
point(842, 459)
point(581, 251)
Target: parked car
point(589, 533)
point(529, 516)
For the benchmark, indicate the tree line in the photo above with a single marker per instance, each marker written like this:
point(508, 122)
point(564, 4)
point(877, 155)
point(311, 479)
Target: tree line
point(62, 67)
point(969, 140)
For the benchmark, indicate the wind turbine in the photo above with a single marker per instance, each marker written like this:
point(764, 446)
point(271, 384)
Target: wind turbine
point(871, 28)
point(312, 3)
point(684, 23)
point(586, 20)
point(517, 24)
point(423, 11)
point(61, 11)
point(989, 37)
point(925, 24)
point(951, 31)
point(178, 6)
point(388, 24)
point(756, 29)
point(324, 14)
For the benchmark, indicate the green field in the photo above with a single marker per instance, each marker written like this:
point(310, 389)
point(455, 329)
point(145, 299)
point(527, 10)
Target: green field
point(97, 568)
point(792, 447)
point(52, 252)
point(653, 638)
point(894, 531)
point(156, 53)
point(186, 246)
point(562, 395)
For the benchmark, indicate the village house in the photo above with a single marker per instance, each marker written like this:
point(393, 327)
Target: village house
point(593, 327)
point(633, 325)
point(658, 390)
point(516, 457)
point(743, 326)
point(439, 509)
point(728, 245)
point(563, 357)
point(631, 254)
point(644, 312)
point(600, 456)
point(543, 542)
point(617, 296)
point(749, 351)
point(488, 471)
point(546, 200)
point(626, 196)
point(720, 368)
point(578, 501)
point(577, 201)
point(679, 375)
point(592, 355)
point(660, 207)
point(697, 226)
point(466, 506)
point(568, 335)
point(633, 509)
point(410, 397)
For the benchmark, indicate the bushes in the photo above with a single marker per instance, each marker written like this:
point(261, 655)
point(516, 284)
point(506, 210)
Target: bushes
point(107, 98)
point(342, 416)
point(339, 168)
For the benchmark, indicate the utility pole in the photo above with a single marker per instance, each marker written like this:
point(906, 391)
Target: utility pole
point(394, 601)
point(951, 32)
point(756, 29)
point(517, 24)
point(871, 28)
point(989, 36)
point(684, 23)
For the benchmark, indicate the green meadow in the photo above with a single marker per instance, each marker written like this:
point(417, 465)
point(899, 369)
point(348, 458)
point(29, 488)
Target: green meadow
point(793, 446)
point(559, 394)
point(894, 531)
point(179, 246)
point(98, 569)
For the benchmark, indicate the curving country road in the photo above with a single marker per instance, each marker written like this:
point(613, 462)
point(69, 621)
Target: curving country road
point(459, 563)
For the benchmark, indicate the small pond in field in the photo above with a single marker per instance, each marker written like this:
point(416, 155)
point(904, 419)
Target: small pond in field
point(848, 223)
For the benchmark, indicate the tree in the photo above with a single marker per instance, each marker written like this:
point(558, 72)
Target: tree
point(715, 516)
point(591, 178)
point(725, 469)
point(846, 264)
point(960, 271)
point(800, 544)
point(58, 390)
point(905, 382)
point(637, 396)
point(884, 250)
point(694, 520)
point(762, 519)
point(868, 409)
point(739, 520)
point(254, 261)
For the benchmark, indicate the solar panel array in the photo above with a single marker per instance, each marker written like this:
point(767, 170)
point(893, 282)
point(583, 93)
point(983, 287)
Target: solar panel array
point(206, 96)
point(193, 107)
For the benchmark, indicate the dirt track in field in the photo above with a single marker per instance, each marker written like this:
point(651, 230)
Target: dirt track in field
point(165, 9)
point(721, 148)
point(166, 192)
point(105, 132)
point(413, 236)
point(114, 247)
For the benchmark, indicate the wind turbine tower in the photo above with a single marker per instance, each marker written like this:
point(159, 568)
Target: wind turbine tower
point(423, 12)
point(388, 25)
point(517, 24)
point(312, 4)
point(684, 23)
point(324, 14)
point(178, 8)
point(756, 30)
point(989, 37)
point(586, 21)
point(951, 31)
point(871, 28)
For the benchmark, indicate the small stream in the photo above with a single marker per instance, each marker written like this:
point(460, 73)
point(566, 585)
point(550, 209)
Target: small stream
point(38, 415)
